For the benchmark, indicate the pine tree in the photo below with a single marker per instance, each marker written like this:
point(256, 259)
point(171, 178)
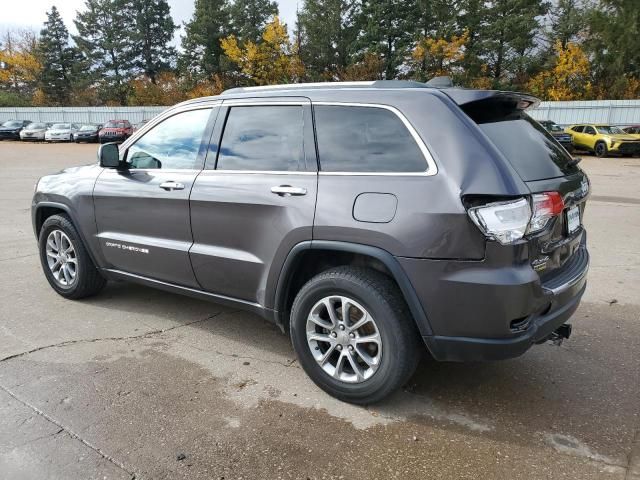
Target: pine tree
point(202, 54)
point(510, 37)
point(152, 34)
point(567, 20)
point(326, 32)
point(105, 40)
point(615, 27)
point(388, 28)
point(57, 58)
point(250, 17)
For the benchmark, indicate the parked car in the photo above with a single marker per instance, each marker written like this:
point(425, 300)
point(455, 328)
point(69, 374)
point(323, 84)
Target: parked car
point(368, 220)
point(138, 126)
point(634, 131)
point(604, 140)
point(34, 131)
point(11, 129)
point(559, 134)
point(115, 131)
point(86, 133)
point(61, 132)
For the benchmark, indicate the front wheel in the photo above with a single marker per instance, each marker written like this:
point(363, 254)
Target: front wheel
point(601, 149)
point(65, 261)
point(354, 335)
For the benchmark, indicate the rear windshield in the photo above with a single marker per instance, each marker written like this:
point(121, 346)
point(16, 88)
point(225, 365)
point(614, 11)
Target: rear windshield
point(531, 149)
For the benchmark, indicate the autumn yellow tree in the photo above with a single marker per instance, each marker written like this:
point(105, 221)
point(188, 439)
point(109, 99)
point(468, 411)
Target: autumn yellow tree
point(568, 79)
point(271, 61)
point(19, 65)
point(433, 57)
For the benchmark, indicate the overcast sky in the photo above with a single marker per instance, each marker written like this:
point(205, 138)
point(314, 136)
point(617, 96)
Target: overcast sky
point(32, 13)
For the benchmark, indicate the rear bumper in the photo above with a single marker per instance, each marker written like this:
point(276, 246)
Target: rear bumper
point(494, 310)
point(464, 349)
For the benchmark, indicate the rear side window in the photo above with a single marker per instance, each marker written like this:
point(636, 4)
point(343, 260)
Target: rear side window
point(365, 139)
point(590, 130)
point(529, 147)
point(263, 138)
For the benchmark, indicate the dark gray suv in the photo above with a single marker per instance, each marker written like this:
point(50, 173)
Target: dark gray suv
point(368, 220)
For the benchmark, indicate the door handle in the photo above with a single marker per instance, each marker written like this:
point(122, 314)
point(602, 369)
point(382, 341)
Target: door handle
point(171, 185)
point(288, 190)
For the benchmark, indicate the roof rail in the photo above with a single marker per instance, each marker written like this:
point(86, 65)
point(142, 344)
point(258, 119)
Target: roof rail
point(320, 85)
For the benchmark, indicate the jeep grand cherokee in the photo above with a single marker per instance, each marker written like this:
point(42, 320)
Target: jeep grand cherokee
point(368, 220)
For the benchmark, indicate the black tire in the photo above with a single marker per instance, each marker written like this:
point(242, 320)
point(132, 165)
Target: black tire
point(379, 295)
point(87, 281)
point(601, 150)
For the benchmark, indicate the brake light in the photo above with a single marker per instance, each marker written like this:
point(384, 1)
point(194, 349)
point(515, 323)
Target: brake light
point(509, 221)
point(505, 222)
point(544, 207)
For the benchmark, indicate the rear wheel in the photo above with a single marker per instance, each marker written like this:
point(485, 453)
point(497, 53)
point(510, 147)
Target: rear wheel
point(65, 262)
point(354, 335)
point(601, 149)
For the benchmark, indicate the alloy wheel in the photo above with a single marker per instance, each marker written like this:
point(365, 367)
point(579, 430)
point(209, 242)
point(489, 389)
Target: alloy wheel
point(344, 339)
point(61, 258)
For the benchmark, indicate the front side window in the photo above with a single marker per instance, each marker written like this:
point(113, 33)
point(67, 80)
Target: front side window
point(589, 130)
point(263, 138)
point(365, 139)
point(172, 144)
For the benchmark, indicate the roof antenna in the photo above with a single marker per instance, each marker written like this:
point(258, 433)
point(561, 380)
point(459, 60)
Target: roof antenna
point(440, 82)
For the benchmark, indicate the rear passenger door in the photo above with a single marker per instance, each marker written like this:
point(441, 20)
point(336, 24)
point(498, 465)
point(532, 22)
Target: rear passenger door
point(256, 198)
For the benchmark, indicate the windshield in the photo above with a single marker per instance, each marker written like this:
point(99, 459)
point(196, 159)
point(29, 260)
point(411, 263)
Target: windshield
point(609, 130)
point(531, 149)
point(12, 124)
point(61, 126)
point(88, 127)
point(113, 124)
point(36, 126)
point(552, 127)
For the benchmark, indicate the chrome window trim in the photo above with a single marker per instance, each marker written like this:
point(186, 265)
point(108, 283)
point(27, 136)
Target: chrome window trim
point(161, 117)
point(250, 102)
point(260, 172)
point(259, 102)
point(432, 168)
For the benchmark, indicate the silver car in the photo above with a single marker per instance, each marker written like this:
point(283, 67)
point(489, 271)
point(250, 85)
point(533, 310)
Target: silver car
point(34, 131)
point(61, 132)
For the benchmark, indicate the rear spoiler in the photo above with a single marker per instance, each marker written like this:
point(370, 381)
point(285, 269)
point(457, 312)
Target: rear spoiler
point(485, 106)
point(465, 97)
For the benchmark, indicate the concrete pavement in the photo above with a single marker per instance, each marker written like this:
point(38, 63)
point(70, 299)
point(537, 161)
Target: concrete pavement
point(138, 383)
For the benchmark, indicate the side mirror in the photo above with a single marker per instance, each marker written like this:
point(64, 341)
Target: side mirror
point(108, 155)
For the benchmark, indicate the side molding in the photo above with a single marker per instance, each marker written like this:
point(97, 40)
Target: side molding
point(383, 256)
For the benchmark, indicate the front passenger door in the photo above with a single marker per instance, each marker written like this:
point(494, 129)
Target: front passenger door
point(142, 212)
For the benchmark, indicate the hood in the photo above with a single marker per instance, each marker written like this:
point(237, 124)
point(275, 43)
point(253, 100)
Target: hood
point(113, 129)
point(35, 130)
point(10, 129)
point(78, 170)
point(65, 130)
point(622, 138)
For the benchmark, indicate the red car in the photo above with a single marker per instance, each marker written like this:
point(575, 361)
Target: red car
point(115, 131)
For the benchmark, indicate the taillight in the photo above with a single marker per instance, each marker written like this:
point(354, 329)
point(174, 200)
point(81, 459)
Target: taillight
point(544, 207)
point(509, 221)
point(505, 222)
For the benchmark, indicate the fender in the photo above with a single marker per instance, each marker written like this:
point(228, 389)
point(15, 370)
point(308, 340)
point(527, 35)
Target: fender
point(71, 215)
point(383, 256)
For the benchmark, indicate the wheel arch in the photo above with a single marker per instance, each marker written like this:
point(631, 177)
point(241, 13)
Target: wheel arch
point(43, 210)
point(338, 253)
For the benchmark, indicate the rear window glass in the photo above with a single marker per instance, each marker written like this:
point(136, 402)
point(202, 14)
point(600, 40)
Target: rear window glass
point(365, 139)
point(529, 147)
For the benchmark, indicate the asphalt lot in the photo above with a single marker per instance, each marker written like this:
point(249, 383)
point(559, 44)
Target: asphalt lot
point(141, 383)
